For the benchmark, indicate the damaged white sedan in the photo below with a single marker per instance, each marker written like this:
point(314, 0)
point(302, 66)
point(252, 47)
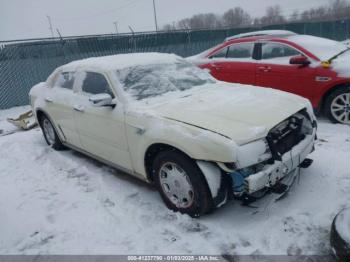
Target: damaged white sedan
point(163, 120)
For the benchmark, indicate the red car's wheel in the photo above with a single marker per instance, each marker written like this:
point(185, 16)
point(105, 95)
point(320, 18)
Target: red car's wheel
point(337, 106)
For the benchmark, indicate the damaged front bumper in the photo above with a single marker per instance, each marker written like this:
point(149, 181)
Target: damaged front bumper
point(271, 174)
point(265, 165)
point(290, 142)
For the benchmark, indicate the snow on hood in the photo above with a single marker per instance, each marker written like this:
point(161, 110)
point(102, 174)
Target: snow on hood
point(342, 65)
point(323, 48)
point(342, 224)
point(242, 113)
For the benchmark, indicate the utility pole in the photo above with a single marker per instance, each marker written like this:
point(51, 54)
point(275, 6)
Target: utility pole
point(155, 15)
point(116, 26)
point(50, 26)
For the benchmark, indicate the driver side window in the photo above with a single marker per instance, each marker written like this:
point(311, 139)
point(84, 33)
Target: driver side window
point(96, 83)
point(277, 50)
point(220, 54)
point(65, 80)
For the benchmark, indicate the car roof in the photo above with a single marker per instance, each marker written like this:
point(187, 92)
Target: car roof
point(120, 61)
point(262, 33)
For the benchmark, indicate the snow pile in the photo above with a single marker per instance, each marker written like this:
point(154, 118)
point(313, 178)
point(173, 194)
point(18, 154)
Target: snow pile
point(342, 225)
point(65, 203)
point(121, 61)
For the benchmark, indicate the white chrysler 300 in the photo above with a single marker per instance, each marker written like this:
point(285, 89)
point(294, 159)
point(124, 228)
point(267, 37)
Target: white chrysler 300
point(163, 120)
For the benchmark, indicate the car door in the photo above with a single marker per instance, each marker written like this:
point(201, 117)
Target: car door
point(234, 64)
point(101, 129)
point(274, 70)
point(59, 106)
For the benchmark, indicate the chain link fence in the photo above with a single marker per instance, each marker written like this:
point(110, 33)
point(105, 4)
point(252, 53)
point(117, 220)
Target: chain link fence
point(24, 63)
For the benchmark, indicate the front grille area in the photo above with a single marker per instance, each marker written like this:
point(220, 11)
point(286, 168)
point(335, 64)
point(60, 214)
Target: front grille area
point(283, 137)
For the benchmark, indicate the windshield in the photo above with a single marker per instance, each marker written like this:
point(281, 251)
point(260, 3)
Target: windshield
point(323, 48)
point(147, 81)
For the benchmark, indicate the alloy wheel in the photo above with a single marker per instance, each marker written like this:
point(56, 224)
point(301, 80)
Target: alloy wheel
point(340, 108)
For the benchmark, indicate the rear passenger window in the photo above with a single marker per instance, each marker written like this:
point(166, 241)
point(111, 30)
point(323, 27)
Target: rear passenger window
point(65, 80)
point(95, 83)
point(240, 51)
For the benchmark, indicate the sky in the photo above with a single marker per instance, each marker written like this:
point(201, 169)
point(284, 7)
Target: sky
point(23, 19)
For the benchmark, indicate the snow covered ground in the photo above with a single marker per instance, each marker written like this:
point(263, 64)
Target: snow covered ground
point(65, 203)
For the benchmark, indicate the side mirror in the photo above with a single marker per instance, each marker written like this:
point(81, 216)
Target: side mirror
point(299, 60)
point(102, 100)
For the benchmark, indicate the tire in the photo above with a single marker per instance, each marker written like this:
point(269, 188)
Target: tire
point(50, 134)
point(337, 106)
point(340, 246)
point(181, 184)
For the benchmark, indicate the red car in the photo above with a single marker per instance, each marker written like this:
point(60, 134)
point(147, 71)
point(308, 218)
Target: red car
point(313, 67)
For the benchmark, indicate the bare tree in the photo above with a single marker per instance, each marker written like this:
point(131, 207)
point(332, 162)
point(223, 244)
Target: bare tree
point(236, 17)
point(273, 16)
point(200, 21)
point(184, 24)
point(314, 14)
point(295, 16)
point(168, 27)
point(339, 9)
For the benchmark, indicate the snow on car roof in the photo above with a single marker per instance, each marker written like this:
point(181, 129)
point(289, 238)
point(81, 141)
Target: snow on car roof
point(121, 61)
point(322, 48)
point(279, 33)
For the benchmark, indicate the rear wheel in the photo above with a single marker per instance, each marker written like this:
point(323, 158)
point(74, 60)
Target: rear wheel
point(337, 107)
point(50, 134)
point(181, 184)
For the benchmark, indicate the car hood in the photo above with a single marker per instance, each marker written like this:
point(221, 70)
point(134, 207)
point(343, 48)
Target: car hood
point(341, 65)
point(240, 112)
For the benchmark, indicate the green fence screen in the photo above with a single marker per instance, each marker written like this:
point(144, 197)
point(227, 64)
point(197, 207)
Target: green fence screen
point(25, 63)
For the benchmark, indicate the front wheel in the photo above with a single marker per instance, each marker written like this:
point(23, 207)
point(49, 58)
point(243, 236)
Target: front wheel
point(50, 134)
point(181, 184)
point(337, 107)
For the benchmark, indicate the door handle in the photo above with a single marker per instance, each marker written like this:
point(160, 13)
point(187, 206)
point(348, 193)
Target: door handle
point(48, 99)
point(264, 68)
point(79, 108)
point(217, 67)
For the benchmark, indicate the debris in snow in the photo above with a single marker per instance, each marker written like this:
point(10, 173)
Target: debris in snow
point(25, 121)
